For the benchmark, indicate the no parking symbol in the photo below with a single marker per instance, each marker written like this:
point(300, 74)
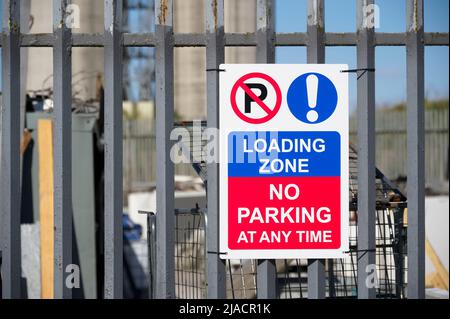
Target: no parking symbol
point(247, 83)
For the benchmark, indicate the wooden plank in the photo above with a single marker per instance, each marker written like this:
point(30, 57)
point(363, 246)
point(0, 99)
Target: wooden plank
point(26, 139)
point(45, 150)
point(442, 273)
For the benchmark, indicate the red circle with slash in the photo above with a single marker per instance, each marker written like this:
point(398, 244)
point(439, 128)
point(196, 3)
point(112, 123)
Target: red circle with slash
point(271, 112)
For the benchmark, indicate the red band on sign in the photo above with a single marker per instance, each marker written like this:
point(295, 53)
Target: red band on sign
point(289, 224)
point(271, 111)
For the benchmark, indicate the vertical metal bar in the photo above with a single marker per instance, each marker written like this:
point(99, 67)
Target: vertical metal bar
point(113, 150)
point(331, 279)
point(10, 169)
point(366, 148)
point(152, 250)
point(62, 141)
point(265, 53)
point(315, 32)
point(266, 279)
point(316, 54)
point(316, 278)
point(416, 149)
point(265, 31)
point(215, 55)
point(165, 215)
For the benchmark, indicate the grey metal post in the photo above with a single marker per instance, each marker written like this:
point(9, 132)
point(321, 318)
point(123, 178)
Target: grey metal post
point(152, 248)
point(366, 149)
point(10, 169)
point(416, 149)
point(113, 150)
point(215, 52)
point(316, 54)
point(165, 212)
point(25, 7)
point(265, 53)
point(62, 141)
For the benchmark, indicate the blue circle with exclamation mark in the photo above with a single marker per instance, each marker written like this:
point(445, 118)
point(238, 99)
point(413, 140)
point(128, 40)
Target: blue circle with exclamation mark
point(312, 98)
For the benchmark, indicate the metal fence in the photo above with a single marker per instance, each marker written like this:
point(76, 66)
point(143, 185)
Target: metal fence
point(214, 40)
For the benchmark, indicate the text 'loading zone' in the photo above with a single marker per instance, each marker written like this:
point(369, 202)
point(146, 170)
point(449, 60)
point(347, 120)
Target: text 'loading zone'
point(283, 161)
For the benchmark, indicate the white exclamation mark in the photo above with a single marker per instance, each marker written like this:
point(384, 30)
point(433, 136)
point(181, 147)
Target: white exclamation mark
point(312, 84)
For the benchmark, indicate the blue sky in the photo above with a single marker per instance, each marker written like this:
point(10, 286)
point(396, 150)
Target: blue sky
point(390, 62)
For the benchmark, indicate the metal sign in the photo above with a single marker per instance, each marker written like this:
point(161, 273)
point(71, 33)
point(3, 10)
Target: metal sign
point(283, 161)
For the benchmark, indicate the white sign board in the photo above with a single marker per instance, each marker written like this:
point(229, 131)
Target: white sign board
point(284, 189)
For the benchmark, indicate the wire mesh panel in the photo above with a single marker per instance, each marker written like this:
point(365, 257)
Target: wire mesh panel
point(241, 278)
point(190, 281)
point(292, 275)
point(390, 260)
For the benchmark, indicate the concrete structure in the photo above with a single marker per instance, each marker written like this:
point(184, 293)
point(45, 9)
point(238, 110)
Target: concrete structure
point(190, 63)
point(87, 62)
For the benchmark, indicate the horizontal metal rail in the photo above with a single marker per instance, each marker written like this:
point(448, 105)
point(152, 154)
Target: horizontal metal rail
point(231, 39)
